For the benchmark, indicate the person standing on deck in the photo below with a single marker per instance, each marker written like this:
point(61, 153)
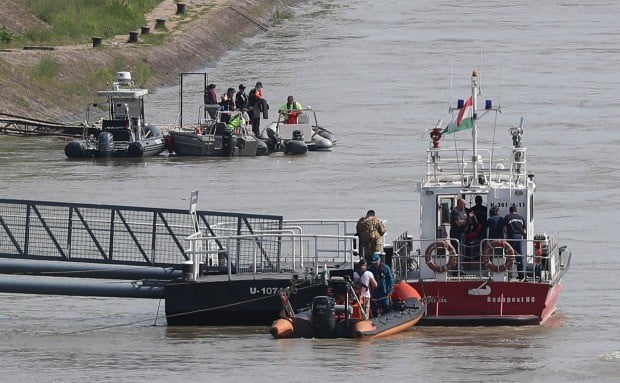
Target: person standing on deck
point(241, 99)
point(494, 224)
point(515, 228)
point(370, 231)
point(458, 224)
point(257, 107)
point(365, 280)
point(210, 98)
point(385, 285)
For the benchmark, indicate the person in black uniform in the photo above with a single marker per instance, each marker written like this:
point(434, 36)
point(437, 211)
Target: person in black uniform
point(515, 228)
point(241, 99)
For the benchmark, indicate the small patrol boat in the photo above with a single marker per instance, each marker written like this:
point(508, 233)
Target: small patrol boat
point(338, 314)
point(123, 132)
point(213, 137)
point(299, 134)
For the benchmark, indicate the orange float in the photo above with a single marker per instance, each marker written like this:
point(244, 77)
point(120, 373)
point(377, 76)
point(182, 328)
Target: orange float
point(508, 250)
point(428, 256)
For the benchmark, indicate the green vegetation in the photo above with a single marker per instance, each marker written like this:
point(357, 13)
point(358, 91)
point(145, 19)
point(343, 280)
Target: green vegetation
point(5, 37)
point(46, 71)
point(76, 21)
point(153, 39)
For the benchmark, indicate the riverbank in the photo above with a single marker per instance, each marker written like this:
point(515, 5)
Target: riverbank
point(54, 84)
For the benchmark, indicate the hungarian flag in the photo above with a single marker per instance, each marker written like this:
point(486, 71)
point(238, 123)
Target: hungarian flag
point(463, 121)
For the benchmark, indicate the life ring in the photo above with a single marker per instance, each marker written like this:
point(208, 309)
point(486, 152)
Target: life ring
point(428, 256)
point(508, 250)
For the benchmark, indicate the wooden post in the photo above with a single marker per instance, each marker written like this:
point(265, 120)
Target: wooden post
point(133, 37)
point(160, 23)
point(145, 30)
point(96, 41)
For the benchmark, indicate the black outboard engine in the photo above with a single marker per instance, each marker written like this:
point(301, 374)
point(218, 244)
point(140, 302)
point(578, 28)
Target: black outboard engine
point(298, 135)
point(273, 141)
point(323, 316)
point(228, 144)
point(105, 147)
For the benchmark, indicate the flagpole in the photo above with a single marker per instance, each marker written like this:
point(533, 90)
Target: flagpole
point(474, 130)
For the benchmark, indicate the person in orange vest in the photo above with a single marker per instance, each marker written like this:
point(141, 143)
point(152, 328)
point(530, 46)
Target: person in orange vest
point(257, 105)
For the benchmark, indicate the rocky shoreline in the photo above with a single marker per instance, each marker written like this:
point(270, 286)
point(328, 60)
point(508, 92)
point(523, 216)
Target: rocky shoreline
point(206, 31)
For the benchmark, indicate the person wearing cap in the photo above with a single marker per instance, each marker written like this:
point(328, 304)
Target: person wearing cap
point(370, 231)
point(290, 110)
point(241, 99)
point(385, 285)
point(257, 106)
point(364, 280)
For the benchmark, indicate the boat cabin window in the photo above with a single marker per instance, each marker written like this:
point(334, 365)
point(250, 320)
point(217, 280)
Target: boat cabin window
point(445, 205)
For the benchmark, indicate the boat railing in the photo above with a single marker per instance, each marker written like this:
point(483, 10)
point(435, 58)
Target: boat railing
point(544, 260)
point(454, 166)
point(283, 251)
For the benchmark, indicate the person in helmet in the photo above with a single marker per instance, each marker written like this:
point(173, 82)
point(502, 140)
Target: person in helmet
point(385, 285)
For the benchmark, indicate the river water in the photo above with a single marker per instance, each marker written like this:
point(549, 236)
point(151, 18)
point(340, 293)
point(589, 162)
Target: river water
point(379, 74)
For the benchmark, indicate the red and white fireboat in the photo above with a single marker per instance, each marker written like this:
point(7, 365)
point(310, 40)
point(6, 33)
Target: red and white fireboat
point(473, 279)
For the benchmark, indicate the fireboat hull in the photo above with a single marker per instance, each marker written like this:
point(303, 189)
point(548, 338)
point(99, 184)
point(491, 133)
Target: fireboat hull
point(465, 303)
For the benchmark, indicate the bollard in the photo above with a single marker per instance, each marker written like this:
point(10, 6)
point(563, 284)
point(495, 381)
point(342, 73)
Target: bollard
point(160, 23)
point(133, 37)
point(145, 30)
point(180, 8)
point(96, 41)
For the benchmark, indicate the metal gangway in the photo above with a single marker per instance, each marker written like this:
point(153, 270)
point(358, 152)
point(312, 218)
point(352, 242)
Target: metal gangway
point(14, 125)
point(109, 241)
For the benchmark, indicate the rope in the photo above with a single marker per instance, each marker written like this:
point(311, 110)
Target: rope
point(172, 315)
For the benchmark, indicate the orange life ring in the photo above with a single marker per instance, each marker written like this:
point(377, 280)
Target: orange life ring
point(428, 256)
point(508, 250)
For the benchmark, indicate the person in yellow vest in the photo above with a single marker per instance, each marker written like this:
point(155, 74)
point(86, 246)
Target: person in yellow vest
point(291, 109)
point(235, 123)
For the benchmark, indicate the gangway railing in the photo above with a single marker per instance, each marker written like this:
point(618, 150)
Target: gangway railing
point(112, 234)
point(292, 252)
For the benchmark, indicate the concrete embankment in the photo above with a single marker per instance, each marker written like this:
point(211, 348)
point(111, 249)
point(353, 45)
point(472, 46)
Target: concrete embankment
point(72, 74)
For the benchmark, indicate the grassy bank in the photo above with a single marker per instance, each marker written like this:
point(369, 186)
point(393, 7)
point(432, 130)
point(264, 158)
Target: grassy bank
point(56, 84)
point(76, 21)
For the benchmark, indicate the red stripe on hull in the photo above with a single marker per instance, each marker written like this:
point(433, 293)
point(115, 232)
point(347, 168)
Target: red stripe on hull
point(510, 300)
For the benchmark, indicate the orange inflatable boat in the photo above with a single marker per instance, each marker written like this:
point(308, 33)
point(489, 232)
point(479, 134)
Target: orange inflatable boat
point(338, 315)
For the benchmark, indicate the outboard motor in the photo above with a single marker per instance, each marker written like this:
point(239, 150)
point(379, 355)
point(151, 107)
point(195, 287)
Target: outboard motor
point(298, 135)
point(135, 149)
point(105, 147)
point(273, 140)
point(323, 316)
point(228, 144)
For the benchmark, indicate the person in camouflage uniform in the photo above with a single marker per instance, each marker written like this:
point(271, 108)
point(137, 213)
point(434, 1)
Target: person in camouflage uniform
point(370, 231)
